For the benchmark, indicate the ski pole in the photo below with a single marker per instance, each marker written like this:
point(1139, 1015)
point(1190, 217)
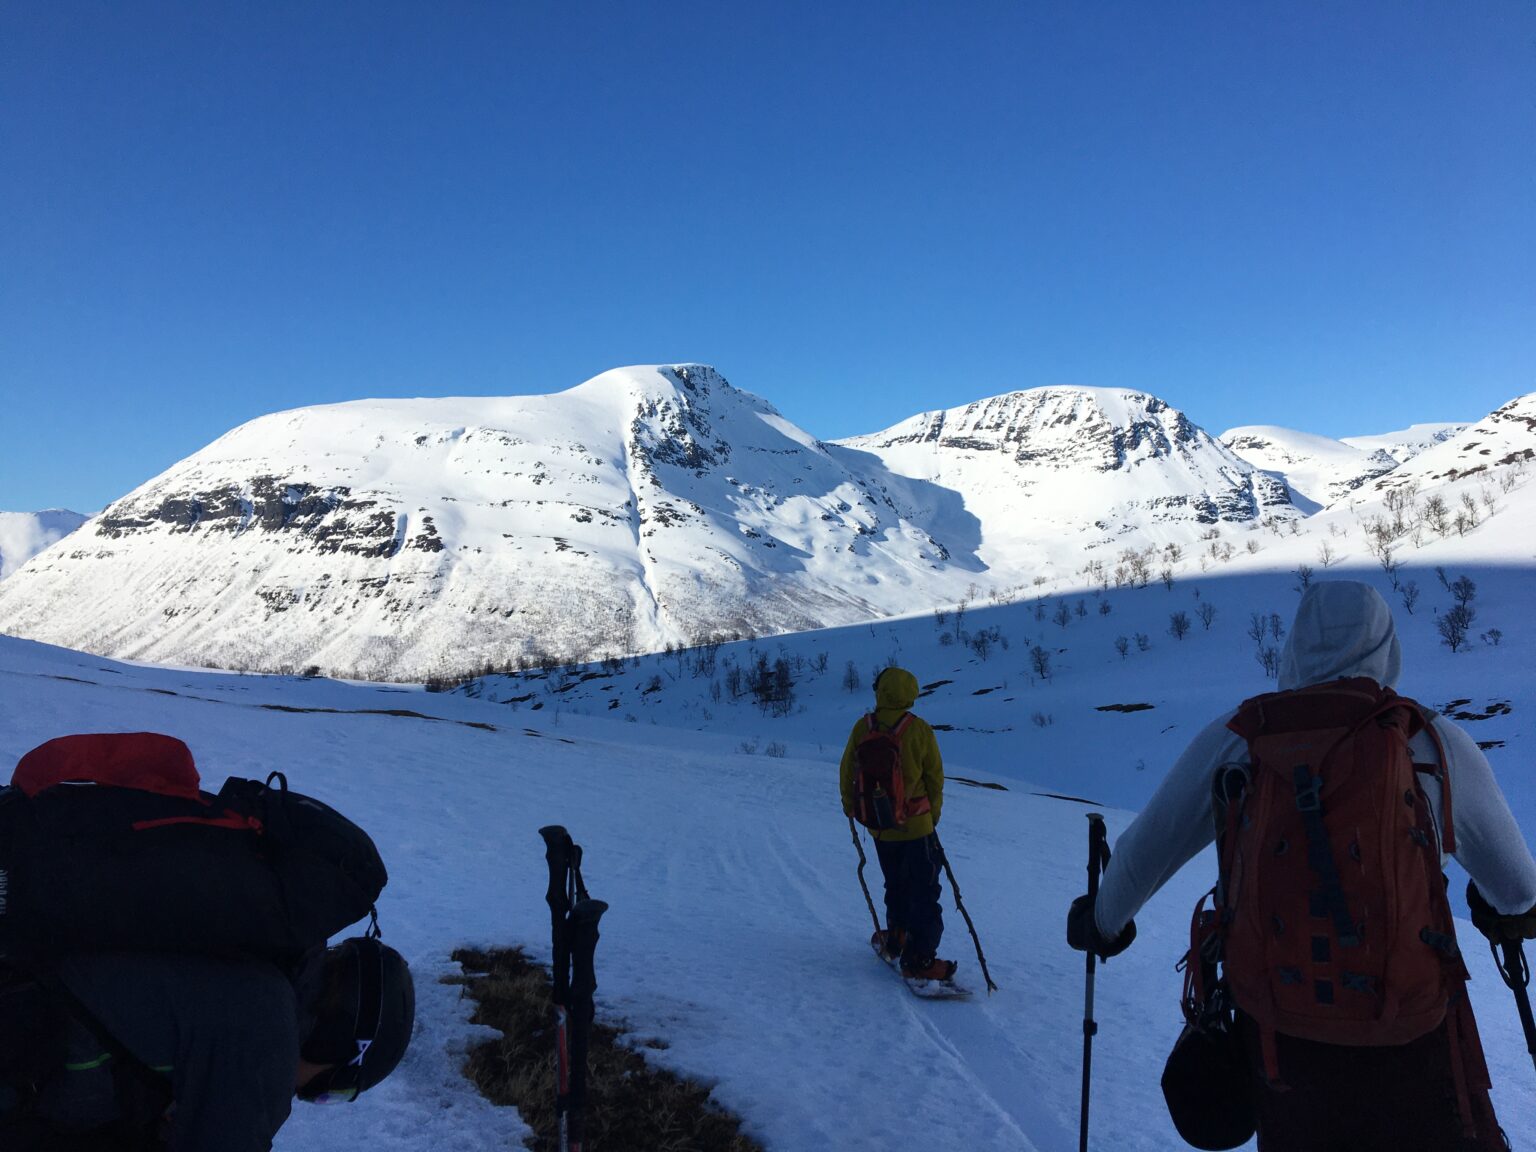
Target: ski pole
point(584, 918)
point(1098, 858)
point(955, 888)
point(558, 853)
point(1515, 970)
point(873, 915)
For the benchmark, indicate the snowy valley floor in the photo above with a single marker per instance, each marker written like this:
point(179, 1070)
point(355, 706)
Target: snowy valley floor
point(737, 932)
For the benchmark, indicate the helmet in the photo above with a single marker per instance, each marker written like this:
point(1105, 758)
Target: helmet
point(363, 1020)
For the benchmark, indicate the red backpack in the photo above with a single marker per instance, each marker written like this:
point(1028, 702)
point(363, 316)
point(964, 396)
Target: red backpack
point(879, 788)
point(1332, 915)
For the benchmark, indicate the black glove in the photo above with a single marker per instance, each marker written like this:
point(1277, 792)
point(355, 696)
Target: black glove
point(1083, 932)
point(1496, 925)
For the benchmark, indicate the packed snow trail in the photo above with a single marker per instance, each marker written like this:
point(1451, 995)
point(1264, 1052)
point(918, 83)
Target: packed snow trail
point(737, 931)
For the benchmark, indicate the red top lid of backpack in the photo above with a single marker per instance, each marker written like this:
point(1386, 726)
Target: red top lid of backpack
point(148, 761)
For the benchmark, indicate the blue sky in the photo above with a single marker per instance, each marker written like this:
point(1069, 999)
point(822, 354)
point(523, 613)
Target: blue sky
point(1304, 213)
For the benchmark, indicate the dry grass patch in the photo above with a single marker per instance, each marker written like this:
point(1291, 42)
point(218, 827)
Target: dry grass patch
point(631, 1107)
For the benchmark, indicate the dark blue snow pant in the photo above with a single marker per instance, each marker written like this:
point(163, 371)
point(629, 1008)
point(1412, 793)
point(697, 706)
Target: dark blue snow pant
point(911, 870)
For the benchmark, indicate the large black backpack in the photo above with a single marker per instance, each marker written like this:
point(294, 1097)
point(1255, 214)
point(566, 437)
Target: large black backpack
point(108, 843)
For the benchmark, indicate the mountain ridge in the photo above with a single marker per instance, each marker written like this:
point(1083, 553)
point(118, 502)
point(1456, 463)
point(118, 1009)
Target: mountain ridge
point(649, 506)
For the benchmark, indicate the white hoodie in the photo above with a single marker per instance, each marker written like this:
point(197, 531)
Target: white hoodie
point(1342, 629)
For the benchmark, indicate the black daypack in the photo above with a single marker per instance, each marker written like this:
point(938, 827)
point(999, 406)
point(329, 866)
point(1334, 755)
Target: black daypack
point(108, 844)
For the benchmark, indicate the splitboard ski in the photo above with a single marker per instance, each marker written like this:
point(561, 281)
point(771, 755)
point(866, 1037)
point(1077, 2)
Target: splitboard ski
point(924, 989)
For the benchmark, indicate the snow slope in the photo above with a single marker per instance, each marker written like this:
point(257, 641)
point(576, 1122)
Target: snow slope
point(24, 534)
point(737, 931)
point(1406, 443)
point(1316, 470)
point(1056, 475)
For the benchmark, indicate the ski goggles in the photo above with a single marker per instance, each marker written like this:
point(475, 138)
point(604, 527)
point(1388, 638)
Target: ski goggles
point(333, 1096)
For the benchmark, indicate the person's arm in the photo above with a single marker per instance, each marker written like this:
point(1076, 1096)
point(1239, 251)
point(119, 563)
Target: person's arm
point(225, 1033)
point(933, 774)
point(1489, 844)
point(1174, 826)
point(845, 769)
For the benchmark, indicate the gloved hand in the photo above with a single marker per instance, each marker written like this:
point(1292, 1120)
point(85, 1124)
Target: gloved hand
point(1498, 926)
point(1083, 932)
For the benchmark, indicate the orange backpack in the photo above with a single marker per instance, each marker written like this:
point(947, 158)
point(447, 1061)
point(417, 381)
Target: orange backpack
point(1332, 906)
point(879, 786)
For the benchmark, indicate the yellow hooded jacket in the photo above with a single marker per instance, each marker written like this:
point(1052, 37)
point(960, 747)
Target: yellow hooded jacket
point(922, 768)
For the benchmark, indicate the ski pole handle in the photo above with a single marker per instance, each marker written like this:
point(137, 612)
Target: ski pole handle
point(558, 853)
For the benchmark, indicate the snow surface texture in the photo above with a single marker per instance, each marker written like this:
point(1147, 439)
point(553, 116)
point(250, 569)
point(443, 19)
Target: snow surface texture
point(737, 931)
point(24, 534)
point(402, 539)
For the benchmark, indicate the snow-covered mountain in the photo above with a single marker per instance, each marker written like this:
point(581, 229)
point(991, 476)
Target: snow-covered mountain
point(1483, 452)
point(1316, 470)
point(403, 538)
point(24, 534)
point(649, 506)
point(1055, 474)
point(1404, 445)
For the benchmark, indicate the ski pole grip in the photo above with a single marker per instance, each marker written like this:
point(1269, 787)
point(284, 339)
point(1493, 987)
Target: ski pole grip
point(1098, 853)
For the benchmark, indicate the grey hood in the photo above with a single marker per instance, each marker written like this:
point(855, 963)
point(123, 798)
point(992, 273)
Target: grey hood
point(1343, 628)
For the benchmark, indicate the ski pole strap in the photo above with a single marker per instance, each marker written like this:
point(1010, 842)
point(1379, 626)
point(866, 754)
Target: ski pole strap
point(1515, 970)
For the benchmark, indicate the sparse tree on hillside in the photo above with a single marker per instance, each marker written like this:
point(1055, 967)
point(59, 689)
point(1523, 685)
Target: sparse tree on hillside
point(1464, 590)
point(1040, 661)
point(1453, 626)
point(1326, 555)
point(1178, 625)
point(1409, 591)
point(1437, 514)
point(851, 681)
point(1269, 659)
point(1122, 646)
point(1303, 576)
point(1063, 614)
point(1207, 612)
point(1257, 623)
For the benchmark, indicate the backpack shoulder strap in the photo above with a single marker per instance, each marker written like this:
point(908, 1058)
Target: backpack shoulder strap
point(901, 725)
point(1440, 770)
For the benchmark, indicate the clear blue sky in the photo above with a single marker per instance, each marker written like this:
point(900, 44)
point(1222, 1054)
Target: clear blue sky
point(1318, 214)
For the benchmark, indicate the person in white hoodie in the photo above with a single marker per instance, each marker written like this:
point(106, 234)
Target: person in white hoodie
point(1334, 1096)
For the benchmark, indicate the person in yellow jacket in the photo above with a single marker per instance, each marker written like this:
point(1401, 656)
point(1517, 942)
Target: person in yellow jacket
point(909, 854)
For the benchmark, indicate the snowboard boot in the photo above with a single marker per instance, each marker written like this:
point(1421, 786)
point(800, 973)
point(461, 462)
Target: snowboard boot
point(889, 943)
point(931, 969)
